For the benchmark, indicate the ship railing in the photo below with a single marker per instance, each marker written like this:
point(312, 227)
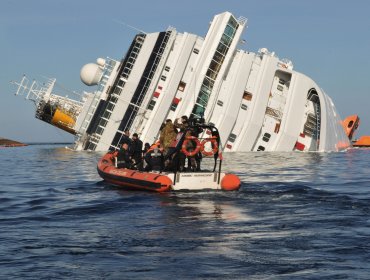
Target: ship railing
point(36, 93)
point(171, 28)
point(71, 106)
point(242, 20)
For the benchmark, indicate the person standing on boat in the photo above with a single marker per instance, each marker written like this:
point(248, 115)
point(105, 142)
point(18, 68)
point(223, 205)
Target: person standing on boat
point(126, 138)
point(144, 151)
point(180, 157)
point(167, 135)
point(136, 148)
point(195, 130)
point(123, 157)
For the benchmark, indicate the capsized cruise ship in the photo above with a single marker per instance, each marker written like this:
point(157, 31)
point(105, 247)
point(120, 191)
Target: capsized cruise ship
point(257, 101)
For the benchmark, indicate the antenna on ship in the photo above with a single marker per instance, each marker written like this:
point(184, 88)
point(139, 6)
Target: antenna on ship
point(130, 26)
point(34, 91)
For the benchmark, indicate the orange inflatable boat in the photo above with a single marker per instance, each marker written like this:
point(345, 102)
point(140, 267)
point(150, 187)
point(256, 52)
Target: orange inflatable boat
point(131, 179)
point(169, 181)
point(165, 181)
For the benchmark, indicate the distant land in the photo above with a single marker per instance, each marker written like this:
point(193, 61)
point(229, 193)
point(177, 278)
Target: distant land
point(10, 143)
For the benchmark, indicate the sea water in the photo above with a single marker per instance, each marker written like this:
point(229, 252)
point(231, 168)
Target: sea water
point(296, 216)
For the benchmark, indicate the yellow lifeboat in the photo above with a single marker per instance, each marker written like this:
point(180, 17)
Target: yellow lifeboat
point(63, 120)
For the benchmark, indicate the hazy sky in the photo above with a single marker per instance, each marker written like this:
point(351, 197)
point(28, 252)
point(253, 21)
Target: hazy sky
point(327, 40)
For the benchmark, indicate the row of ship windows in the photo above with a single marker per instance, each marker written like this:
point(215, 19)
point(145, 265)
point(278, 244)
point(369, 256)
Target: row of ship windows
point(132, 59)
point(108, 111)
point(213, 71)
point(113, 100)
point(91, 146)
point(232, 137)
point(93, 142)
point(208, 82)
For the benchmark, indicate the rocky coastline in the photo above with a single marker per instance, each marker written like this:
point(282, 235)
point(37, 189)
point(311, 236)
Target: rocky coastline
point(10, 143)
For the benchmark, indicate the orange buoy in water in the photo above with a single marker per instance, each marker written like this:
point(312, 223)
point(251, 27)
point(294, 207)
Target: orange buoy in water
point(230, 182)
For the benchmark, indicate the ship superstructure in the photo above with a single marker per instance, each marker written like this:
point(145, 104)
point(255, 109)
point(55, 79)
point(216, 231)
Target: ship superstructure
point(257, 101)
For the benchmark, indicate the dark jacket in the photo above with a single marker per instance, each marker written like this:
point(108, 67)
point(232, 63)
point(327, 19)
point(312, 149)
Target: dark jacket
point(136, 149)
point(123, 158)
point(154, 159)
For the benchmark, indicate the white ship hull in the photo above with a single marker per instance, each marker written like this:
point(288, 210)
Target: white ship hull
point(257, 101)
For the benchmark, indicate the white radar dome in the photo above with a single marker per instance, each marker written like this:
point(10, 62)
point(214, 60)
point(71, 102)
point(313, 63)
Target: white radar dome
point(91, 74)
point(100, 61)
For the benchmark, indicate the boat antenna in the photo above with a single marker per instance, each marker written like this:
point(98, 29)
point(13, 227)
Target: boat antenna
point(130, 26)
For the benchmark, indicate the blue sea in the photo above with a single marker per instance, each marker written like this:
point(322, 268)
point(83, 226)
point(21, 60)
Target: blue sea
point(296, 216)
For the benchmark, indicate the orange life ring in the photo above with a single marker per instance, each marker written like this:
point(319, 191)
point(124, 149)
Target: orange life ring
point(184, 146)
point(214, 144)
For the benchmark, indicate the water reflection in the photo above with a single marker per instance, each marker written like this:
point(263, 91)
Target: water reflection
point(79, 165)
point(275, 167)
point(194, 206)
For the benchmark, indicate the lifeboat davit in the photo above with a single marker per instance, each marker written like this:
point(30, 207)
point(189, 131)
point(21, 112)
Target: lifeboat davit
point(170, 181)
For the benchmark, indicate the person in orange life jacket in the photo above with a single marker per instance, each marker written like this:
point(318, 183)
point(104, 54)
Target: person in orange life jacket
point(146, 149)
point(136, 148)
point(123, 157)
point(154, 158)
